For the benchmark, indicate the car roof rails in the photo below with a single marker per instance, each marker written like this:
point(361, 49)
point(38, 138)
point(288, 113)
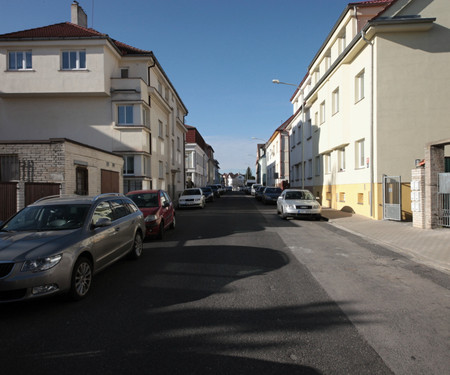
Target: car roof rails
point(103, 195)
point(47, 197)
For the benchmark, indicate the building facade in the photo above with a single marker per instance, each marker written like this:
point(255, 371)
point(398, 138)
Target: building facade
point(373, 96)
point(277, 157)
point(196, 158)
point(70, 81)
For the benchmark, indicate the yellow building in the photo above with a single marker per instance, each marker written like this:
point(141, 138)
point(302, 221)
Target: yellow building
point(375, 93)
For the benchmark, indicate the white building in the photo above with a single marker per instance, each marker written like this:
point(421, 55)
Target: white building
point(277, 156)
point(69, 81)
point(374, 95)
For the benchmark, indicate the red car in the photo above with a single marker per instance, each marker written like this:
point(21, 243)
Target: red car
point(158, 210)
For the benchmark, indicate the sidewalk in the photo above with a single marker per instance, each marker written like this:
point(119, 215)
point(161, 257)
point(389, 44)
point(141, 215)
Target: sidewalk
point(430, 247)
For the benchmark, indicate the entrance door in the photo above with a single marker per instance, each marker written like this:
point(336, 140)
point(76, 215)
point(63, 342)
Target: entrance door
point(392, 198)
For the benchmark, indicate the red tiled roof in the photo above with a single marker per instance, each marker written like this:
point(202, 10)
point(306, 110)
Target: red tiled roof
point(68, 30)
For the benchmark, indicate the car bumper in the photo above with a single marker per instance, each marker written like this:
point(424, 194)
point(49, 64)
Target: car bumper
point(18, 286)
point(303, 212)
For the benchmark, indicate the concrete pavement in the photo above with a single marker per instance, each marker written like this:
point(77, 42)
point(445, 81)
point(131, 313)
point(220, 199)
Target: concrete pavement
point(430, 247)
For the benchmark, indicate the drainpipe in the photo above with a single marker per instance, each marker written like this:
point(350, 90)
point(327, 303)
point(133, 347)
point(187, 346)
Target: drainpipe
point(363, 36)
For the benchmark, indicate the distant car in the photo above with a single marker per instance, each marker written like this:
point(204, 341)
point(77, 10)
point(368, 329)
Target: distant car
point(158, 210)
point(193, 197)
point(208, 193)
point(298, 203)
point(258, 192)
point(57, 244)
point(270, 195)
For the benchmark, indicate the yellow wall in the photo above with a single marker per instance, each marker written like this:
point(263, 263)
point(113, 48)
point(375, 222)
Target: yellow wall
point(356, 198)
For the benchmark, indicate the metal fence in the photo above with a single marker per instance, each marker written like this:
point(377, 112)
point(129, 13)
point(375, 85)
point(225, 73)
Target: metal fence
point(443, 200)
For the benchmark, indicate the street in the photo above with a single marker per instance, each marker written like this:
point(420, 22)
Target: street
point(234, 289)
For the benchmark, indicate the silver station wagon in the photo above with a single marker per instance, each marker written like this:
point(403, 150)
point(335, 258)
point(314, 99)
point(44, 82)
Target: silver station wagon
point(57, 244)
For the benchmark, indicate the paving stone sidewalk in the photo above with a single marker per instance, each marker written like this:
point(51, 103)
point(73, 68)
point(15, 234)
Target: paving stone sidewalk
point(430, 247)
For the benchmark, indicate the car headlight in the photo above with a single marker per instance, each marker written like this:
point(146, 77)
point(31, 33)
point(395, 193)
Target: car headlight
point(291, 206)
point(151, 218)
point(41, 264)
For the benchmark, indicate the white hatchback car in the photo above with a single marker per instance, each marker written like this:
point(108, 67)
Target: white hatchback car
point(192, 197)
point(298, 203)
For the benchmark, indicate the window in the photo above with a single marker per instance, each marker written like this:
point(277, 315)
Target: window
point(173, 152)
point(341, 197)
point(341, 159)
point(335, 101)
point(147, 166)
point(103, 210)
point(124, 73)
point(308, 129)
point(82, 181)
point(327, 158)
point(317, 165)
point(341, 43)
point(9, 168)
point(161, 169)
point(128, 165)
point(178, 144)
point(19, 60)
point(309, 169)
point(359, 86)
point(359, 148)
point(125, 114)
point(322, 112)
point(73, 60)
point(360, 198)
point(160, 129)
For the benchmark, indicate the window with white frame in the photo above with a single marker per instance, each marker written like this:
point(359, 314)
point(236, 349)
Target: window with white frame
point(308, 129)
point(317, 165)
point(125, 114)
point(359, 148)
point(128, 165)
point(73, 60)
point(327, 163)
point(341, 43)
point(178, 144)
point(341, 159)
point(20, 60)
point(322, 112)
point(359, 86)
point(335, 101)
point(173, 152)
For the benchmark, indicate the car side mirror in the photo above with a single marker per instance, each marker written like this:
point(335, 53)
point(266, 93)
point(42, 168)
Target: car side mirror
point(102, 222)
point(166, 204)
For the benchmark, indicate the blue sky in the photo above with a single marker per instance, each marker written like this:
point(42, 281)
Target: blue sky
point(220, 55)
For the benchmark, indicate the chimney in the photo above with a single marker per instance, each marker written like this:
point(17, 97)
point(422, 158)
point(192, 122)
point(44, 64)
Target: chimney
point(78, 16)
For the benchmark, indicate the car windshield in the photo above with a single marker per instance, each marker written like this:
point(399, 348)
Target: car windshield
point(145, 200)
point(273, 191)
point(191, 192)
point(206, 190)
point(300, 195)
point(213, 187)
point(51, 217)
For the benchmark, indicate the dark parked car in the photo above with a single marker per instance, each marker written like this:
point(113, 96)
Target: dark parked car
point(57, 244)
point(270, 195)
point(215, 189)
point(258, 192)
point(208, 193)
point(158, 210)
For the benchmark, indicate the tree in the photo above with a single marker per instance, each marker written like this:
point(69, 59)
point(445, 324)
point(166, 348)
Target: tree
point(248, 174)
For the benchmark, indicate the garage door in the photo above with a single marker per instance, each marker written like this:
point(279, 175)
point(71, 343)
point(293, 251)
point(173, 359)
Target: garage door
point(110, 182)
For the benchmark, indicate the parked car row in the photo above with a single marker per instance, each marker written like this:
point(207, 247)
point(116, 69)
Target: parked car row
point(198, 197)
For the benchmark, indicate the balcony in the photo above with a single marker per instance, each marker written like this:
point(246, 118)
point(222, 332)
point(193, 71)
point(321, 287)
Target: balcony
point(129, 89)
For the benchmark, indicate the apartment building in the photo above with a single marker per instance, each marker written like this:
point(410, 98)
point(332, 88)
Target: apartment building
point(196, 158)
point(374, 95)
point(69, 81)
point(277, 157)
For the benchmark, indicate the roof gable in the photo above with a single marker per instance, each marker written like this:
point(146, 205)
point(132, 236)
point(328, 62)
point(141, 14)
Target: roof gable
point(68, 30)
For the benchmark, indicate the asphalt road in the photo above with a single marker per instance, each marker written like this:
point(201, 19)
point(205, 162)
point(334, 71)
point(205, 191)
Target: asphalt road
point(234, 289)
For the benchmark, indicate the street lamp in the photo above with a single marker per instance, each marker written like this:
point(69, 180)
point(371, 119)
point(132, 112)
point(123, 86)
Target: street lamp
point(278, 82)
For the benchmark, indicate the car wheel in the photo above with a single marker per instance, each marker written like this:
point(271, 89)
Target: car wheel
point(161, 231)
point(138, 247)
point(174, 223)
point(283, 215)
point(81, 279)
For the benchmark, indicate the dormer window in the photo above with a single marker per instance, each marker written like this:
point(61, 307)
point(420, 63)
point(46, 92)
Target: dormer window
point(73, 60)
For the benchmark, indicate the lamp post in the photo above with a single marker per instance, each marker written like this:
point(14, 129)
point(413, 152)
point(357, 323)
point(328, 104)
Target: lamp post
point(278, 82)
